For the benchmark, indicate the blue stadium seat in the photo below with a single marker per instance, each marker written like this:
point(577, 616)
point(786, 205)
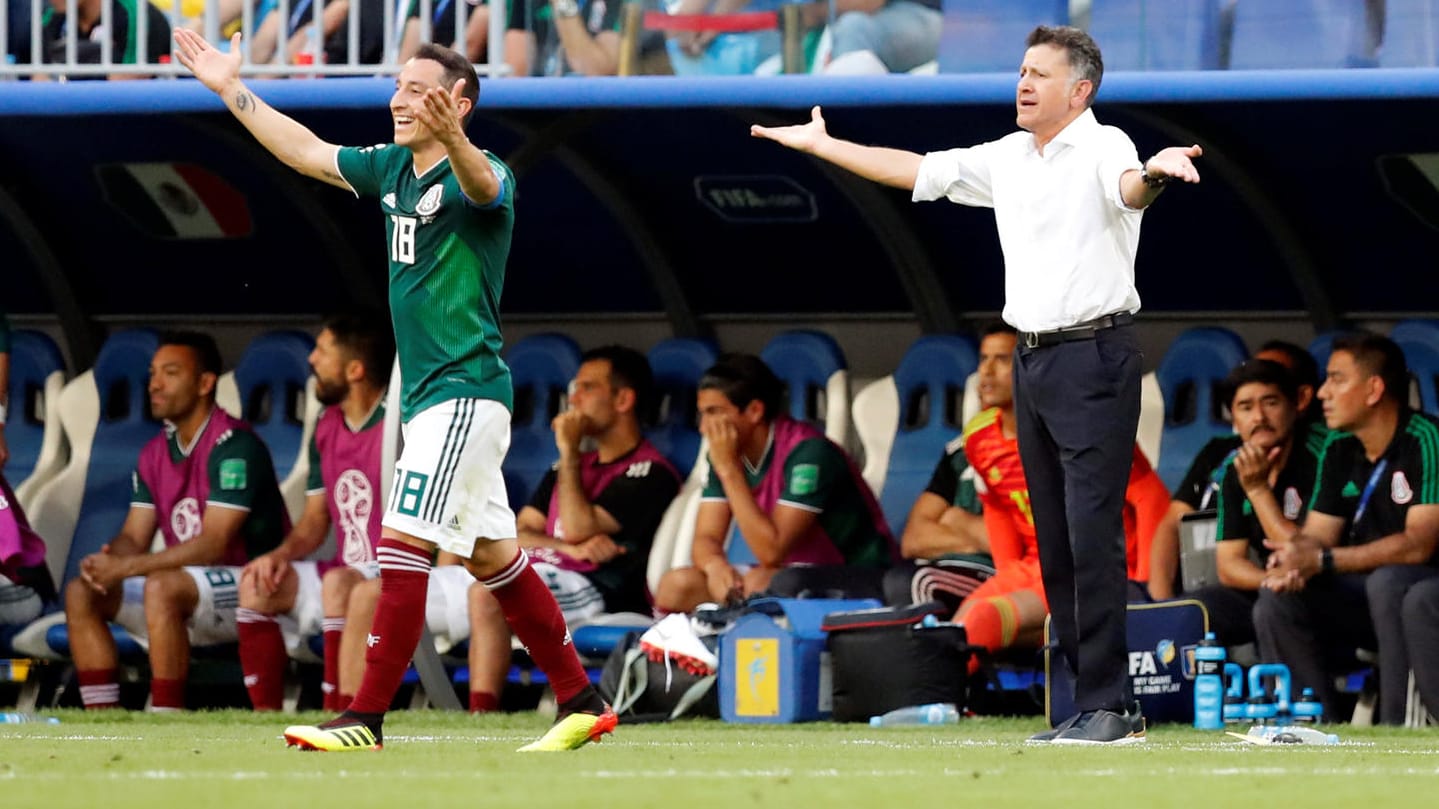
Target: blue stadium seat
point(905, 420)
point(1189, 375)
point(1419, 339)
point(678, 363)
point(1271, 34)
point(271, 376)
point(988, 35)
point(1320, 348)
point(542, 366)
point(34, 358)
point(1156, 34)
point(816, 379)
point(1411, 34)
point(121, 377)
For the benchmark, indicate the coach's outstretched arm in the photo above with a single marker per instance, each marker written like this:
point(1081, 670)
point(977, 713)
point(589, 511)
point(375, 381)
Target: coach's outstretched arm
point(296, 146)
point(894, 167)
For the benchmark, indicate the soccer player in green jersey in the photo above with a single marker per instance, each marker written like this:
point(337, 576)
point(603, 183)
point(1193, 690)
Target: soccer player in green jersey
point(449, 211)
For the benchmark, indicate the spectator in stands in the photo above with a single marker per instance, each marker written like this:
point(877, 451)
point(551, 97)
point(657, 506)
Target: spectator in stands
point(351, 363)
point(797, 498)
point(583, 38)
point(878, 36)
point(1271, 473)
point(519, 40)
point(1200, 486)
point(17, 27)
point(1069, 241)
point(332, 39)
point(207, 484)
point(228, 13)
point(708, 53)
point(589, 526)
point(1371, 530)
point(124, 34)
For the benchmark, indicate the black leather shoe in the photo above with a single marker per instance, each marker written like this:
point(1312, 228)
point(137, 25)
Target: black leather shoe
point(1104, 727)
point(1045, 737)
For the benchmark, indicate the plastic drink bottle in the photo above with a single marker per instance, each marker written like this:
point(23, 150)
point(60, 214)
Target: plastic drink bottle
point(1209, 684)
point(935, 713)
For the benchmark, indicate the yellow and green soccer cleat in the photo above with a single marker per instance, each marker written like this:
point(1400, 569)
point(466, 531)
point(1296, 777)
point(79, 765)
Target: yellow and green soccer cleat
point(573, 732)
point(333, 737)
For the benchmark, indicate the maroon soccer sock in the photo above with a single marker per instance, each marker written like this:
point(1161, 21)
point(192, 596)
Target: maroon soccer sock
point(262, 658)
point(399, 619)
point(483, 702)
point(99, 688)
point(330, 686)
point(167, 695)
point(535, 618)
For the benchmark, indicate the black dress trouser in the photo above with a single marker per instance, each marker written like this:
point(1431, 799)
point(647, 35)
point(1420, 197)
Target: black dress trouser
point(1077, 410)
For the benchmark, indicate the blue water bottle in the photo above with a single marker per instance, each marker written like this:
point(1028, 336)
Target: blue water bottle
point(1209, 684)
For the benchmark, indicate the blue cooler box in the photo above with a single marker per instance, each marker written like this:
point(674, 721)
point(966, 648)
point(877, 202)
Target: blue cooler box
point(773, 664)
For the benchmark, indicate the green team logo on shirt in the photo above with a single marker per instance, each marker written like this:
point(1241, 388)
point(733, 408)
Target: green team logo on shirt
point(804, 479)
point(1350, 490)
point(232, 474)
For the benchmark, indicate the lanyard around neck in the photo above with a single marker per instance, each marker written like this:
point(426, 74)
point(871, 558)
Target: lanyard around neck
point(1367, 493)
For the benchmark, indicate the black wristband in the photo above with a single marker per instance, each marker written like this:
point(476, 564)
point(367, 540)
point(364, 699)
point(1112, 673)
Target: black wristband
point(1152, 181)
point(1326, 561)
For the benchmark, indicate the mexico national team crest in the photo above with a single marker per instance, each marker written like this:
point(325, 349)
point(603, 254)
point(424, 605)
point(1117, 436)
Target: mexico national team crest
point(430, 202)
point(1399, 489)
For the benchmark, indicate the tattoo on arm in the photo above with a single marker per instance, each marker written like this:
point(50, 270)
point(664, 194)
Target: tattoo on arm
point(244, 101)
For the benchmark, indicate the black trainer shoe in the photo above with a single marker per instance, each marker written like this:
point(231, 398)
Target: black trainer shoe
point(1047, 736)
point(1104, 727)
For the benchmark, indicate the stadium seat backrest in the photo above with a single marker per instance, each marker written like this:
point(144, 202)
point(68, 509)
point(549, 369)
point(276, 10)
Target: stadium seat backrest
point(1271, 34)
point(1150, 434)
point(271, 377)
point(106, 416)
point(1419, 340)
point(816, 379)
point(1149, 35)
point(276, 394)
point(1320, 348)
point(1411, 34)
point(678, 363)
point(32, 429)
point(542, 366)
point(905, 420)
point(988, 35)
point(1190, 375)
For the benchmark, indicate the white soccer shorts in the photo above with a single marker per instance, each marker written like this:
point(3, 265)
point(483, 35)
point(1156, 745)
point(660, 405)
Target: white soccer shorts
point(448, 488)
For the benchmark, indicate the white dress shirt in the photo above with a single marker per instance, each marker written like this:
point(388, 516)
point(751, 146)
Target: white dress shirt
point(1068, 237)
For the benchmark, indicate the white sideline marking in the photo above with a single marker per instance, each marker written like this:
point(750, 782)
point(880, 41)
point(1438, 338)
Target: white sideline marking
point(429, 775)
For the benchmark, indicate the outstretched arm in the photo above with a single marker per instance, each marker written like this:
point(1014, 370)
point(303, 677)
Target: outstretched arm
point(442, 112)
point(296, 146)
point(1174, 163)
point(894, 167)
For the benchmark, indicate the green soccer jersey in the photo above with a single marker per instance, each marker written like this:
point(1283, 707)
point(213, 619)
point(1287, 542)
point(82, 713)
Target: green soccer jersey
point(447, 268)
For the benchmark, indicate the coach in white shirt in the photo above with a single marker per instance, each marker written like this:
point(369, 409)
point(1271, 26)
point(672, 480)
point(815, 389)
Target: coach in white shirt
point(1068, 195)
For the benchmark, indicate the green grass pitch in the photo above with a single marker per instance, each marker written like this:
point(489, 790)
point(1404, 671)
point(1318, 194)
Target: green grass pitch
point(226, 759)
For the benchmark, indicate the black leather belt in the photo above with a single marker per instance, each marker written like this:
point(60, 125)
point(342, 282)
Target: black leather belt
point(1079, 331)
